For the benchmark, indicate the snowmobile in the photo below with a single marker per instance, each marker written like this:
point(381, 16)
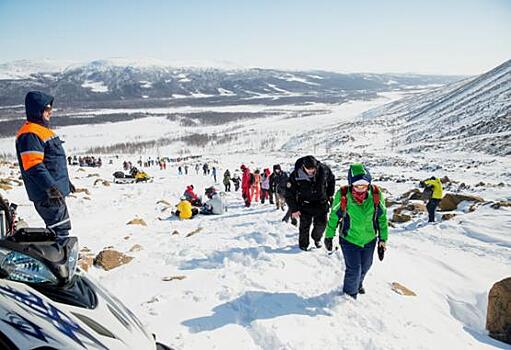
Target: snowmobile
point(46, 302)
point(134, 176)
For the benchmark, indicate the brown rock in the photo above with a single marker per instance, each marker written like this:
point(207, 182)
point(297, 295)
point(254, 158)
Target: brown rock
point(162, 201)
point(445, 180)
point(137, 221)
point(136, 248)
point(127, 237)
point(416, 207)
point(451, 200)
point(390, 202)
point(175, 232)
point(448, 216)
point(5, 187)
point(109, 259)
point(499, 204)
point(197, 230)
point(412, 194)
point(400, 289)
point(85, 261)
point(83, 190)
point(93, 175)
point(172, 278)
point(498, 317)
point(105, 183)
point(397, 217)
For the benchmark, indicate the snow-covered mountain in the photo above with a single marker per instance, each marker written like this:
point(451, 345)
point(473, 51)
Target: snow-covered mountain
point(108, 83)
point(472, 115)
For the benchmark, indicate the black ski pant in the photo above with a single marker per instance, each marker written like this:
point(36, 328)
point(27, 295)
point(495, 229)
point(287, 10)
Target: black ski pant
point(227, 187)
point(55, 216)
point(431, 207)
point(319, 224)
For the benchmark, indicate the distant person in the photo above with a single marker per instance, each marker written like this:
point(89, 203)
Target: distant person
point(265, 185)
point(434, 192)
point(236, 180)
point(197, 167)
point(227, 180)
point(360, 210)
point(214, 174)
point(185, 209)
point(186, 169)
point(278, 181)
point(310, 188)
point(43, 166)
point(245, 185)
point(215, 205)
point(190, 196)
point(255, 189)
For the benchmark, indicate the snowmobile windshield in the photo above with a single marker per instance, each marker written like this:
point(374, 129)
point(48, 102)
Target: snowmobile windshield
point(45, 262)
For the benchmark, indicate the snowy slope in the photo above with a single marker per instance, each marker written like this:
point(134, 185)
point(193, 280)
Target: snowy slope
point(474, 114)
point(246, 284)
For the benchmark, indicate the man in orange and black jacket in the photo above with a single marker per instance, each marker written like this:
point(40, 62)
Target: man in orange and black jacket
point(43, 166)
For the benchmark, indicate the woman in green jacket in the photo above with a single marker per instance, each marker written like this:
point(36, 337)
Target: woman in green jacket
point(359, 210)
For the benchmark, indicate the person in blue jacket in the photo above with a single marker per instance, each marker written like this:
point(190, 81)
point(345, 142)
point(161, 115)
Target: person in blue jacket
point(43, 166)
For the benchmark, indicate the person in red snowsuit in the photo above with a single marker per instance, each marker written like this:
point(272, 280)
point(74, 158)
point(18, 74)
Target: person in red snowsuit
point(191, 196)
point(245, 185)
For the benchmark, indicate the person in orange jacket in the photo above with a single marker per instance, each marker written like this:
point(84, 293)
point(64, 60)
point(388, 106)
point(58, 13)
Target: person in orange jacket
point(255, 189)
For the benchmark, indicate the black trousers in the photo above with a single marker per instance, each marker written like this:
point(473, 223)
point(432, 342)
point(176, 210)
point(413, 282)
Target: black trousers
point(431, 207)
point(227, 187)
point(319, 224)
point(55, 216)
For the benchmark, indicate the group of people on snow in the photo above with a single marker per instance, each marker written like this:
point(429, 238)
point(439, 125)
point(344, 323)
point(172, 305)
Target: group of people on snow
point(191, 204)
point(356, 212)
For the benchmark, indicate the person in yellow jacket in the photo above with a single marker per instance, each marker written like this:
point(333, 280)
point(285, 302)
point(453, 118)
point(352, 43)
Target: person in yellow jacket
point(434, 185)
point(185, 209)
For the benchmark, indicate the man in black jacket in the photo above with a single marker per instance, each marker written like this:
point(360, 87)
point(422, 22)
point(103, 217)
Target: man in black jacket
point(309, 191)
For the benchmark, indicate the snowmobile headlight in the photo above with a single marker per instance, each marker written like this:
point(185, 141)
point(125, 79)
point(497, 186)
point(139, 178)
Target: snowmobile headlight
point(23, 268)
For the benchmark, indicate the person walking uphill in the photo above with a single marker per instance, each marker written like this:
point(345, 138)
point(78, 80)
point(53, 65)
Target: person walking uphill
point(360, 210)
point(309, 190)
point(227, 180)
point(245, 185)
point(435, 185)
point(43, 166)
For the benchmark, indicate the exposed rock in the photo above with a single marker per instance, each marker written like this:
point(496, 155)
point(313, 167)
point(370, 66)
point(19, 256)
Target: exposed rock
point(499, 204)
point(85, 261)
point(162, 201)
point(390, 202)
point(498, 317)
point(198, 229)
point(445, 180)
point(136, 248)
point(87, 198)
point(479, 184)
point(137, 221)
point(6, 187)
point(105, 183)
point(397, 217)
point(175, 232)
point(81, 169)
point(448, 216)
point(127, 237)
point(414, 193)
point(451, 200)
point(109, 259)
point(400, 289)
point(416, 207)
point(93, 175)
point(172, 278)
point(82, 190)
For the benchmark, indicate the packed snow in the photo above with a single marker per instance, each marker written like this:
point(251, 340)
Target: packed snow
point(246, 284)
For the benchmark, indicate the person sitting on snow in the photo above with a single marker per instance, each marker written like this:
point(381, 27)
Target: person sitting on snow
point(192, 197)
point(185, 209)
point(215, 204)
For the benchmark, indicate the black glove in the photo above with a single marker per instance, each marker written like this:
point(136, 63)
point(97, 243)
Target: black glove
point(328, 244)
point(72, 187)
point(54, 196)
point(422, 184)
point(381, 250)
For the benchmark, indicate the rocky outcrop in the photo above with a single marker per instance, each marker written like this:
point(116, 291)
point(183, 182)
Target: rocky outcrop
point(451, 201)
point(109, 259)
point(498, 317)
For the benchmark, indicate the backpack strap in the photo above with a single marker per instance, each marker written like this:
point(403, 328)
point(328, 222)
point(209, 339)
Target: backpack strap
point(376, 201)
point(344, 198)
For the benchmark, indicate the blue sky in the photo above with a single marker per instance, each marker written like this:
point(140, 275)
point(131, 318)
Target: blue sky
point(435, 36)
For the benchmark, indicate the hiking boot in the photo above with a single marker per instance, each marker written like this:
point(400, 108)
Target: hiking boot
point(304, 248)
point(318, 244)
point(361, 290)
